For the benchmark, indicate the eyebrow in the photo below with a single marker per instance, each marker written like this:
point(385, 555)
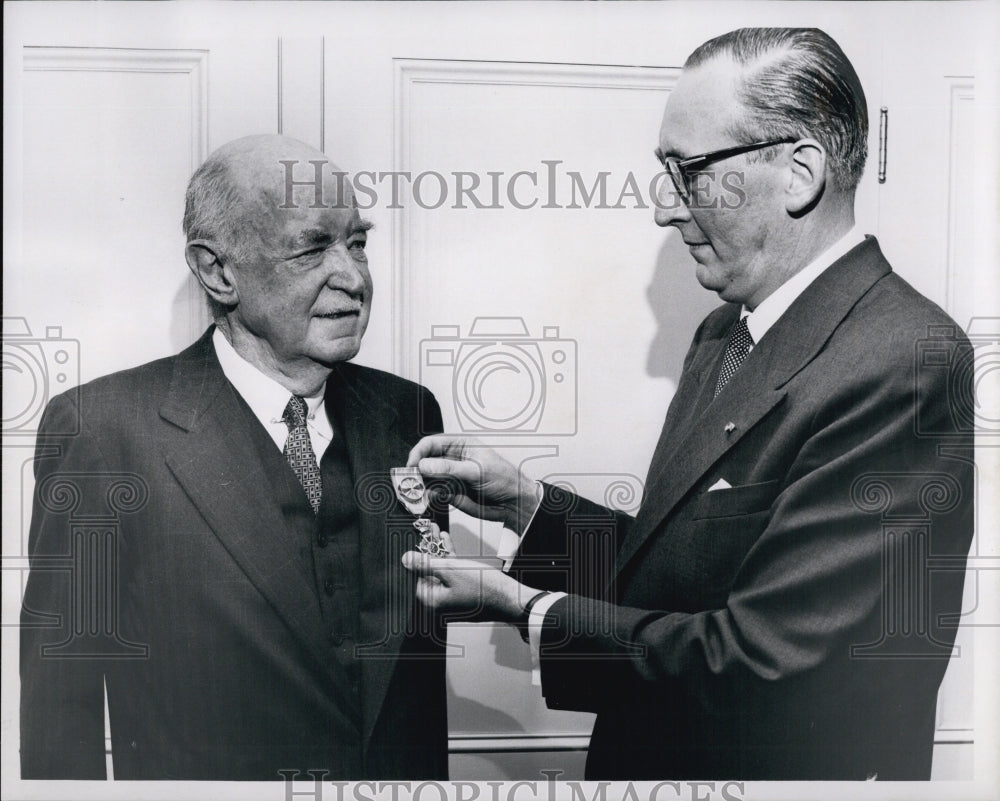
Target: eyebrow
point(311, 236)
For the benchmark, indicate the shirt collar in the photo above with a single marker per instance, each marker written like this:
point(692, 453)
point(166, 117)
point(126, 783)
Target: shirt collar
point(774, 305)
point(265, 396)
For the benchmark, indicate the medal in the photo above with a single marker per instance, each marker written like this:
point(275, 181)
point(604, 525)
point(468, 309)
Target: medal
point(411, 491)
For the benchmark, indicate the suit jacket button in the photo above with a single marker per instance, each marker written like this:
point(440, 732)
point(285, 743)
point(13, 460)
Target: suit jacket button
point(329, 586)
point(322, 539)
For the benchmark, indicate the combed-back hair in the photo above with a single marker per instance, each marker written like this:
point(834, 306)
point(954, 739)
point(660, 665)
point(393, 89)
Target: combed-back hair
point(798, 83)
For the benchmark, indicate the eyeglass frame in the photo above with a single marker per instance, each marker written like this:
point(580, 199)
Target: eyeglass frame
point(681, 166)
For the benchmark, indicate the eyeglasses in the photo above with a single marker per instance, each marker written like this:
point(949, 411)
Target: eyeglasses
point(679, 169)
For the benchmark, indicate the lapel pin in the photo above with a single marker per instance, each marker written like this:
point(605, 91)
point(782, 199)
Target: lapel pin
point(730, 427)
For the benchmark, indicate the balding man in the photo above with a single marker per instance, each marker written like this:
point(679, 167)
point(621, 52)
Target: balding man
point(251, 619)
point(784, 604)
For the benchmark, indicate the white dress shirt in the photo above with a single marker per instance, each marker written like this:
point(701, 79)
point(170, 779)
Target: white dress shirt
point(267, 398)
point(759, 321)
point(776, 304)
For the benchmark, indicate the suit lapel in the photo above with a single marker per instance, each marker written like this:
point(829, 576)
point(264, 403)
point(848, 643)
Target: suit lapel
point(692, 395)
point(217, 465)
point(717, 429)
point(686, 452)
point(368, 425)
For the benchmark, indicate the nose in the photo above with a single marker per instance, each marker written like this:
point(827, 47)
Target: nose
point(346, 272)
point(670, 207)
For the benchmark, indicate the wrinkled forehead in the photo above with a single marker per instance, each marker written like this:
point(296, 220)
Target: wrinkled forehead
point(291, 191)
point(310, 183)
point(287, 182)
point(701, 109)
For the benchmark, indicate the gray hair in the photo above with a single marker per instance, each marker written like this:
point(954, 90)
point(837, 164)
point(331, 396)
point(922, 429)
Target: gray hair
point(217, 207)
point(797, 83)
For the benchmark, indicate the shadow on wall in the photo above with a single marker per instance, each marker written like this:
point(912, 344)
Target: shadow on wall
point(488, 719)
point(679, 304)
point(187, 323)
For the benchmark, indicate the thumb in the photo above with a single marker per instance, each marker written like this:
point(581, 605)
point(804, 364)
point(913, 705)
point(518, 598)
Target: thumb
point(417, 562)
point(465, 471)
point(439, 466)
point(436, 445)
point(424, 565)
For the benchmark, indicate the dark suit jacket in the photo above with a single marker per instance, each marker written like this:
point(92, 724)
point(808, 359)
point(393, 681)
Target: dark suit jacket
point(162, 568)
point(796, 625)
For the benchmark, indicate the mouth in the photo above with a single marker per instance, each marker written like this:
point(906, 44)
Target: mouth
point(340, 314)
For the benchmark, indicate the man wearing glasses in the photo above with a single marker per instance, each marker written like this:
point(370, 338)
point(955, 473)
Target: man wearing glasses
point(784, 604)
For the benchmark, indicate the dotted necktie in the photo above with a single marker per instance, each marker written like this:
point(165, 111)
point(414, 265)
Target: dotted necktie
point(740, 343)
point(299, 453)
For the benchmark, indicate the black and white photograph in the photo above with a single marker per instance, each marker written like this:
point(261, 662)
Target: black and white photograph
point(501, 401)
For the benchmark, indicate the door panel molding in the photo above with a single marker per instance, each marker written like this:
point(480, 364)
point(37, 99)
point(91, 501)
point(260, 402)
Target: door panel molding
point(959, 240)
point(192, 63)
point(408, 74)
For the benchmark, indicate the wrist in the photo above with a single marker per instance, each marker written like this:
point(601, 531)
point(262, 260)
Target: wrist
point(528, 500)
point(521, 624)
point(511, 604)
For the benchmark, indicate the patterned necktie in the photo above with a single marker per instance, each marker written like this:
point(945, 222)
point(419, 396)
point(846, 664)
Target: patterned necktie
point(299, 453)
point(738, 349)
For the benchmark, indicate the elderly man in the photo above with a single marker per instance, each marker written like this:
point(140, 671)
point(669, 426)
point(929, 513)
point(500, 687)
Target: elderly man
point(252, 617)
point(784, 603)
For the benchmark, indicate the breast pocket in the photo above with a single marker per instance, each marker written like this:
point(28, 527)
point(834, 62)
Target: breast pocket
point(735, 501)
point(724, 526)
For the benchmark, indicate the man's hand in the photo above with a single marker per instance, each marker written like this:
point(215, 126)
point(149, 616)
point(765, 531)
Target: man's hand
point(465, 585)
point(482, 483)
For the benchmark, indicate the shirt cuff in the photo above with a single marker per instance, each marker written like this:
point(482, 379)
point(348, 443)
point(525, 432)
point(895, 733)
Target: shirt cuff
point(510, 541)
point(535, 622)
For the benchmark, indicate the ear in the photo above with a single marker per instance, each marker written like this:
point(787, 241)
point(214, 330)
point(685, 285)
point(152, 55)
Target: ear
point(806, 177)
point(215, 276)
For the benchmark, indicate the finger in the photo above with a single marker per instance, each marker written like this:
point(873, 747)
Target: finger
point(441, 492)
point(467, 471)
point(436, 445)
point(444, 492)
point(426, 566)
point(446, 539)
point(433, 593)
point(417, 563)
point(428, 592)
point(475, 508)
